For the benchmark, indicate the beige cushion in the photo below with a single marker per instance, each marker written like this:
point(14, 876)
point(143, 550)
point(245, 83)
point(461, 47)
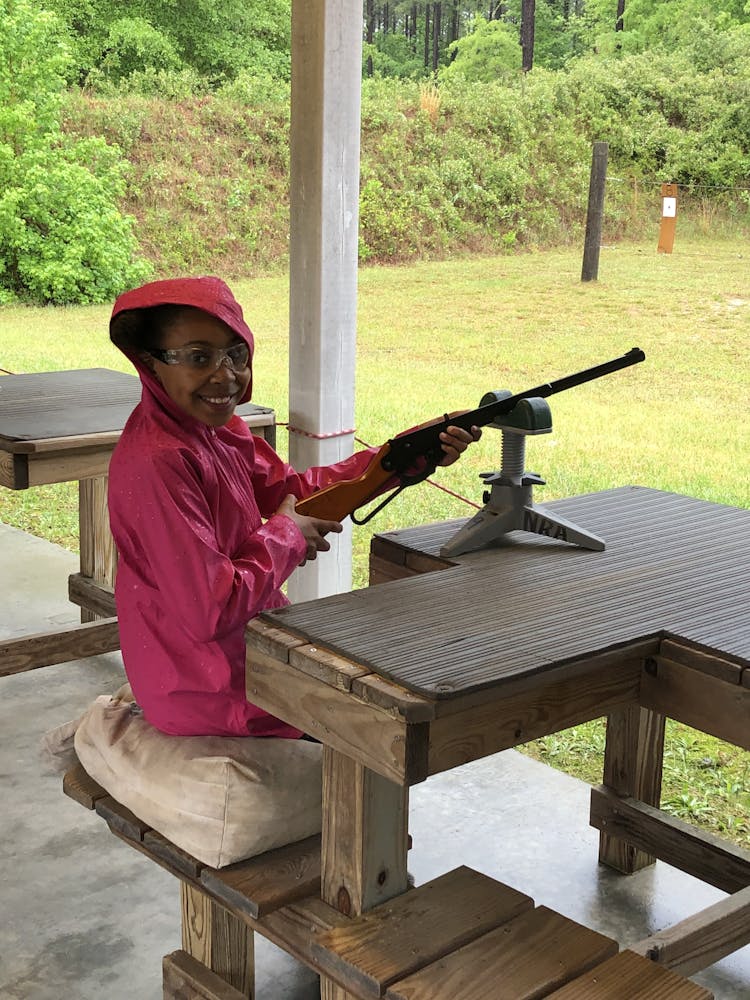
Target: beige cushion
point(219, 798)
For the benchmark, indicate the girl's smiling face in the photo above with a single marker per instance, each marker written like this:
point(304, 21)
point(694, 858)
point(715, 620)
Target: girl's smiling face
point(205, 390)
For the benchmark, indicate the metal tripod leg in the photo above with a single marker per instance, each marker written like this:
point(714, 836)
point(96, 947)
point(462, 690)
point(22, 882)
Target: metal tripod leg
point(491, 523)
point(482, 530)
point(543, 522)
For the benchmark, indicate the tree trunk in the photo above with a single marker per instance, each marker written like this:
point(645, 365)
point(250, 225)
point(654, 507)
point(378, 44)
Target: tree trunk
point(620, 15)
point(528, 14)
point(427, 36)
point(370, 30)
point(454, 22)
point(619, 21)
point(454, 26)
point(437, 9)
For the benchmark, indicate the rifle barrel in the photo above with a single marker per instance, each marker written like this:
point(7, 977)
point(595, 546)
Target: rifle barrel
point(424, 441)
point(567, 382)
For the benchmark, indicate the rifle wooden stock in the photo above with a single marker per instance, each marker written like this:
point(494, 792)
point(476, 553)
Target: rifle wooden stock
point(338, 500)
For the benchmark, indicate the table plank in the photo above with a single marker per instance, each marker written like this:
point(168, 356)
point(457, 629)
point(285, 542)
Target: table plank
point(630, 975)
point(65, 404)
point(524, 959)
point(417, 928)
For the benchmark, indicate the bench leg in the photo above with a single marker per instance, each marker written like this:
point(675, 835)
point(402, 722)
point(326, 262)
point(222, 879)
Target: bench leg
point(186, 979)
point(633, 758)
point(98, 555)
point(364, 845)
point(218, 941)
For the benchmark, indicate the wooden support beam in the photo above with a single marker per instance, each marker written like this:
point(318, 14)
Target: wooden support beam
point(366, 824)
point(185, 977)
point(98, 552)
point(718, 707)
point(633, 758)
point(76, 642)
point(518, 718)
point(218, 940)
point(707, 857)
point(703, 938)
point(364, 843)
point(95, 597)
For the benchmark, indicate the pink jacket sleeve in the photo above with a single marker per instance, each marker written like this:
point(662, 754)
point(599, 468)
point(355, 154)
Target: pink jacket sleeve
point(210, 592)
point(274, 479)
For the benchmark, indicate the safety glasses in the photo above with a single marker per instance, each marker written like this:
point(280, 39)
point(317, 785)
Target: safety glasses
point(205, 358)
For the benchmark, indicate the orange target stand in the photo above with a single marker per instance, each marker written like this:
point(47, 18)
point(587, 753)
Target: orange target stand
point(668, 218)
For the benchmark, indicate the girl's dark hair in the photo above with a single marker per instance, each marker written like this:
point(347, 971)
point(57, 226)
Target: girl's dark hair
point(138, 330)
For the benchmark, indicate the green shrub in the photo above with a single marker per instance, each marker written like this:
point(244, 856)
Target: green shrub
point(62, 237)
point(455, 167)
point(133, 45)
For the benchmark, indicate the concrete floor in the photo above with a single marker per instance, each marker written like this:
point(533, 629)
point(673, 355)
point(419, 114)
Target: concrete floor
point(85, 917)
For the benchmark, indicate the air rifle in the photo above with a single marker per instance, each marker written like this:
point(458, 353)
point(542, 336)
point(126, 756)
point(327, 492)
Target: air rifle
point(413, 456)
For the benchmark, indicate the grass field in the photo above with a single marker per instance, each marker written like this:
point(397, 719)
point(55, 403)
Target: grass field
point(435, 337)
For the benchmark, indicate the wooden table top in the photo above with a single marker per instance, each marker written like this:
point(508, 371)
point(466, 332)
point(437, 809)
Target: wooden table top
point(674, 566)
point(43, 407)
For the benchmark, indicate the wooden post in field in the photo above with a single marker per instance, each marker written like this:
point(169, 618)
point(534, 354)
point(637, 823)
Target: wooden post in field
point(668, 218)
point(595, 212)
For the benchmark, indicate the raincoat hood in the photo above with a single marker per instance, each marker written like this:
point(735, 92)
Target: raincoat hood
point(209, 294)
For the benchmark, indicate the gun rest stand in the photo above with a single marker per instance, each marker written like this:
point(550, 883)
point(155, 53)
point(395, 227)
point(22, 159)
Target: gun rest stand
point(508, 504)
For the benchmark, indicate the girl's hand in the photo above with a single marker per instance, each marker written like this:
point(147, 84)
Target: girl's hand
point(455, 441)
point(314, 529)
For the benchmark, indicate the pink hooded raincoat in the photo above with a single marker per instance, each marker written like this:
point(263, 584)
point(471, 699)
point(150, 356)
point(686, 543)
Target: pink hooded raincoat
point(201, 549)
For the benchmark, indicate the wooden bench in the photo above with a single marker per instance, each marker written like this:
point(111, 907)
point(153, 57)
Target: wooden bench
point(462, 936)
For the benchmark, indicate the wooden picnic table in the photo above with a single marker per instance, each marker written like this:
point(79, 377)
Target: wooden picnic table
point(456, 659)
point(60, 427)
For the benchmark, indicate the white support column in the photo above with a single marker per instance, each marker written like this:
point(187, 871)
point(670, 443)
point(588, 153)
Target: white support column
point(325, 123)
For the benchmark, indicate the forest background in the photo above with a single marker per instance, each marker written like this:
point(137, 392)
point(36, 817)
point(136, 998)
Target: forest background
point(143, 139)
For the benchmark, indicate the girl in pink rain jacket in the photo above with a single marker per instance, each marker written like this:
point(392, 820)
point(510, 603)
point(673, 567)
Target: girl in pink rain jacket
point(202, 511)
